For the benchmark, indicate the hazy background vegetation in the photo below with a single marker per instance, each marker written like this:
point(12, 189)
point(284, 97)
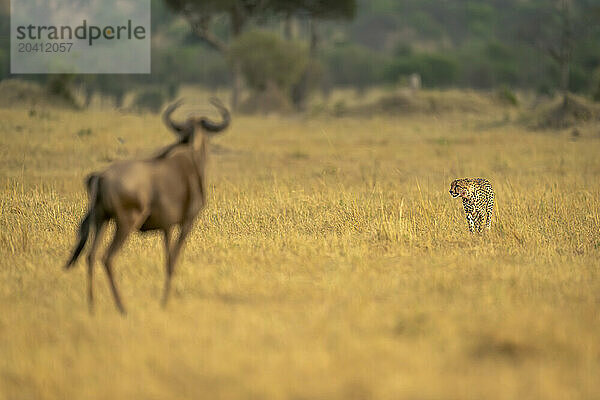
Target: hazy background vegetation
point(482, 44)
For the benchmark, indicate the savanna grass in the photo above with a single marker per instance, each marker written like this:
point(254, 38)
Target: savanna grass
point(330, 263)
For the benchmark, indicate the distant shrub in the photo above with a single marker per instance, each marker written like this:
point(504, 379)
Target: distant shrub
point(149, 100)
point(267, 59)
point(17, 92)
point(270, 100)
point(60, 85)
point(353, 65)
point(435, 69)
point(312, 78)
point(566, 113)
point(507, 96)
point(489, 64)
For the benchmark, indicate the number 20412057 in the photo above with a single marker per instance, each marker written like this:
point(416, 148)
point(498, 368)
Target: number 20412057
point(44, 47)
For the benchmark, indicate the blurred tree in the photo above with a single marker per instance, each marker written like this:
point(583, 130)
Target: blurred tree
point(201, 14)
point(266, 59)
point(556, 27)
point(315, 10)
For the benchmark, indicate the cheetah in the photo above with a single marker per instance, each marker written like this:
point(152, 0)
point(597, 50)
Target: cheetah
point(478, 200)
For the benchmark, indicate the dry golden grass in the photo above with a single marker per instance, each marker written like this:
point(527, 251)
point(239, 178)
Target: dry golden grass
point(331, 263)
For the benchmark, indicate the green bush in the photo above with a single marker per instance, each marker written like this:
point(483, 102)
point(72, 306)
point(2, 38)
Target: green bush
point(149, 100)
point(312, 78)
point(267, 59)
point(435, 69)
point(507, 96)
point(489, 64)
point(354, 65)
point(60, 85)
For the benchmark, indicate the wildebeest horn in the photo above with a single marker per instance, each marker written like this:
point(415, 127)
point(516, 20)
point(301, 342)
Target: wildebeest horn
point(174, 126)
point(214, 127)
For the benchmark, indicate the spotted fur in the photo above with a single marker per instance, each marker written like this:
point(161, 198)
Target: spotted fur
point(478, 201)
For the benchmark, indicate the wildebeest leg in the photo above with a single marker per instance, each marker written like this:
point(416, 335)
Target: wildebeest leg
point(186, 227)
point(168, 263)
point(99, 226)
point(125, 224)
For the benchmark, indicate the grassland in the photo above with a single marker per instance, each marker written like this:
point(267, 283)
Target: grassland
point(331, 263)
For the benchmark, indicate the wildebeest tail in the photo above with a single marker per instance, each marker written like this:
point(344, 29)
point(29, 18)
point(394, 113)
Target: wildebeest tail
point(86, 222)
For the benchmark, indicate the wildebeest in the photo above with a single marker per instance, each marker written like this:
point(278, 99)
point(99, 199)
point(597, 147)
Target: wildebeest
point(158, 193)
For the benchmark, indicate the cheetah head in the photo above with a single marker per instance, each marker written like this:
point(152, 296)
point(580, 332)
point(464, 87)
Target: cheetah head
point(462, 188)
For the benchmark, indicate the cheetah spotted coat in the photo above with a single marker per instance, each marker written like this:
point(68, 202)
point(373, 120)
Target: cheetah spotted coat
point(478, 201)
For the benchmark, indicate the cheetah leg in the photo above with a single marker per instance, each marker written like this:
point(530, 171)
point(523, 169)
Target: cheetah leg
point(479, 223)
point(471, 223)
point(490, 214)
